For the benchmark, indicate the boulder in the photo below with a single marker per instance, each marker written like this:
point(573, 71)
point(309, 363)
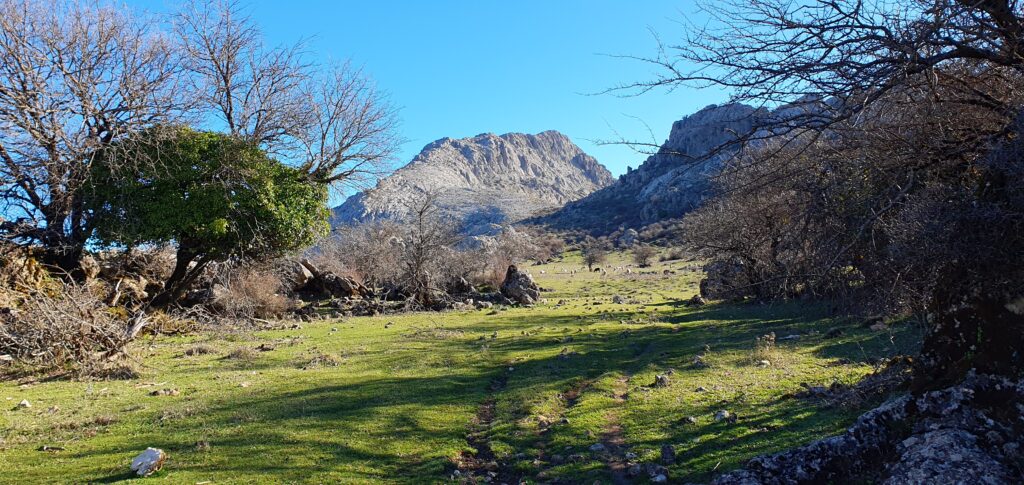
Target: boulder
point(724, 279)
point(520, 287)
point(462, 287)
point(301, 275)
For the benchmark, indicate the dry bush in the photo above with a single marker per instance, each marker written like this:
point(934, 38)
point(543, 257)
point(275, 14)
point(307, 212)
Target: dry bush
point(200, 349)
point(254, 292)
point(69, 329)
point(766, 350)
point(243, 354)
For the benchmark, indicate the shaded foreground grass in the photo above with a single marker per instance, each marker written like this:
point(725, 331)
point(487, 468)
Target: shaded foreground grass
point(391, 398)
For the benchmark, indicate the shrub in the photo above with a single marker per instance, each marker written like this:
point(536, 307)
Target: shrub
point(644, 254)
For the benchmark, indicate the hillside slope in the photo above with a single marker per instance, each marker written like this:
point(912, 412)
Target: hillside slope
point(670, 182)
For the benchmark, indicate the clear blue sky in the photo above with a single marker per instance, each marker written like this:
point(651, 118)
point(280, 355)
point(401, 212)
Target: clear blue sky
point(461, 68)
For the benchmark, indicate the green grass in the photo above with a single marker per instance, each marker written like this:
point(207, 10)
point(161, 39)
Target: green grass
point(372, 402)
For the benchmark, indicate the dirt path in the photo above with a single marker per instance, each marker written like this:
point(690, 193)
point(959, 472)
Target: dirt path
point(483, 465)
point(612, 437)
point(569, 398)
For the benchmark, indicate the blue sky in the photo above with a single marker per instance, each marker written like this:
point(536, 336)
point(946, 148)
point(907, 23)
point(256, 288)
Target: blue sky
point(461, 68)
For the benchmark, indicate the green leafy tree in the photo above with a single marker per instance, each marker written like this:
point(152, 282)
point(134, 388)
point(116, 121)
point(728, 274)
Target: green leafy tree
point(213, 195)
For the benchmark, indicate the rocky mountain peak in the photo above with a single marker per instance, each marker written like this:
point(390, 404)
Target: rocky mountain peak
point(485, 179)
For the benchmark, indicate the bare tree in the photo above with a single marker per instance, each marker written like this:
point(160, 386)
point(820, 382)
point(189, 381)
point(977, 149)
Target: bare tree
point(331, 121)
point(593, 253)
point(912, 103)
point(429, 241)
point(74, 78)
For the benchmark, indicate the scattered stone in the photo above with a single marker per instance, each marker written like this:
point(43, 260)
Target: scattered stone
point(51, 449)
point(764, 363)
point(24, 404)
point(723, 415)
point(661, 381)
point(697, 300)
point(941, 436)
point(699, 363)
point(557, 459)
point(701, 389)
point(690, 420)
point(165, 392)
point(635, 470)
point(630, 455)
point(265, 348)
point(618, 300)
point(149, 462)
point(659, 478)
point(597, 447)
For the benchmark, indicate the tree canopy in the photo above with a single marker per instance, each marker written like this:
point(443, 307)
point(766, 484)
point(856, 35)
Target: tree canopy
point(215, 196)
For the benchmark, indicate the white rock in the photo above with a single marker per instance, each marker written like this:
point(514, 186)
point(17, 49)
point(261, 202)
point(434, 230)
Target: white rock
point(149, 462)
point(659, 479)
point(24, 404)
point(722, 415)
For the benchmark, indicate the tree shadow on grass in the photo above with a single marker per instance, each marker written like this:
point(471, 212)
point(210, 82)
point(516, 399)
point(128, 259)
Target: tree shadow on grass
point(399, 428)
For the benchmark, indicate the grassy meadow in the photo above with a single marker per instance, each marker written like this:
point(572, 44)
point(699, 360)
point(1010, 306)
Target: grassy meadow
point(407, 398)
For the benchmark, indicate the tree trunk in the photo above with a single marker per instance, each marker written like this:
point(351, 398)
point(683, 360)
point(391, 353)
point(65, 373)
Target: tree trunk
point(179, 279)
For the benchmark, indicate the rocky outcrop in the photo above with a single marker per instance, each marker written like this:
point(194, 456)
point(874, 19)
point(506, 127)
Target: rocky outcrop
point(969, 433)
point(484, 180)
point(520, 287)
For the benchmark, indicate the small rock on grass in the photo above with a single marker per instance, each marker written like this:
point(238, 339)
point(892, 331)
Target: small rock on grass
point(24, 404)
point(597, 447)
point(661, 381)
point(149, 462)
point(165, 392)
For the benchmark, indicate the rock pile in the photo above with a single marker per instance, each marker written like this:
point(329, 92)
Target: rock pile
point(969, 433)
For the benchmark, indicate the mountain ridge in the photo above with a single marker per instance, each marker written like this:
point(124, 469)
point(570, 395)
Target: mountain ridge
point(670, 182)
